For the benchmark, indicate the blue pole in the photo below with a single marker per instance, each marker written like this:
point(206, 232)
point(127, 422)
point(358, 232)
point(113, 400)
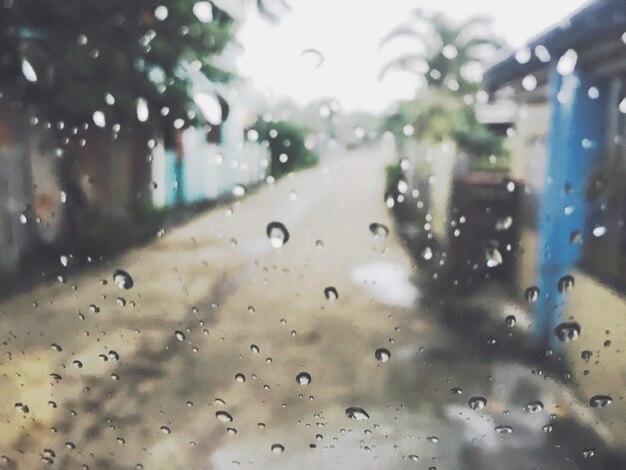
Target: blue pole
point(577, 140)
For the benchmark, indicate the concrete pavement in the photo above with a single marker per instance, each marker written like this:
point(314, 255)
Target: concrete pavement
point(196, 365)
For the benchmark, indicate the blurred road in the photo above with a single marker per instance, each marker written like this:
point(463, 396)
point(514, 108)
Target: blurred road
point(213, 299)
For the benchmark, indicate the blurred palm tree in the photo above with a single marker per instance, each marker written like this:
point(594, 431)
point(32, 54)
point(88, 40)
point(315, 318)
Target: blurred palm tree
point(451, 54)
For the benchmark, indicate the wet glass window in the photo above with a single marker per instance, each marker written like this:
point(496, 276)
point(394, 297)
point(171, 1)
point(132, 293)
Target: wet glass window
point(278, 234)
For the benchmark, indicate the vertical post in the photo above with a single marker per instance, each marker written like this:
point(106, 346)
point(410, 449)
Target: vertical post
point(579, 105)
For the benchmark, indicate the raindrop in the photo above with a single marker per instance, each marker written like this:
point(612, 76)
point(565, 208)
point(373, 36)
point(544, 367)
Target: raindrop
point(277, 233)
point(28, 71)
point(231, 431)
point(433, 439)
point(254, 348)
point(427, 253)
point(161, 12)
point(165, 430)
point(531, 294)
point(311, 59)
point(493, 257)
point(224, 416)
point(203, 11)
point(477, 403)
point(142, 110)
point(122, 279)
point(599, 231)
point(504, 223)
point(180, 336)
point(510, 321)
point(379, 231)
point(504, 429)
point(548, 428)
point(566, 283)
point(238, 190)
point(359, 414)
point(278, 448)
point(93, 308)
point(99, 119)
point(533, 407)
point(77, 364)
point(22, 407)
point(567, 331)
point(240, 377)
point(56, 347)
point(413, 458)
point(456, 391)
point(600, 401)
point(382, 354)
point(588, 453)
point(303, 378)
point(331, 293)
point(586, 355)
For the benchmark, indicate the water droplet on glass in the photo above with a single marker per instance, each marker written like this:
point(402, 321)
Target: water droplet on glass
point(382, 354)
point(565, 283)
point(311, 59)
point(56, 347)
point(413, 458)
point(504, 429)
point(165, 430)
point(477, 402)
point(240, 377)
point(277, 233)
point(278, 448)
point(142, 110)
point(22, 407)
point(510, 321)
point(238, 190)
point(254, 348)
point(203, 11)
point(331, 293)
point(359, 414)
point(99, 119)
point(533, 407)
point(224, 416)
point(180, 336)
point(493, 257)
point(28, 71)
point(427, 253)
point(548, 428)
point(303, 378)
point(588, 453)
point(586, 355)
point(379, 231)
point(77, 364)
point(599, 231)
point(531, 294)
point(567, 331)
point(433, 439)
point(122, 279)
point(600, 401)
point(504, 223)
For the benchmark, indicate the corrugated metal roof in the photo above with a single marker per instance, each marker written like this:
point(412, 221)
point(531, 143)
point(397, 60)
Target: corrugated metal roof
point(602, 19)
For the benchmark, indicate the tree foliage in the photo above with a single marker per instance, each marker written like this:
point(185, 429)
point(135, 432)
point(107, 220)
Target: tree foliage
point(445, 51)
point(71, 58)
point(285, 138)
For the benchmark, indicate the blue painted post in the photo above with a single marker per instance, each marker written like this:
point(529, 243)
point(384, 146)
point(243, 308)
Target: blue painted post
point(577, 140)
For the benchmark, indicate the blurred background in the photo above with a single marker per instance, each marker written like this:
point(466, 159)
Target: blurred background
point(331, 234)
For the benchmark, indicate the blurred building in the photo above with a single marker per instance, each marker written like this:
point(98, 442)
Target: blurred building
point(208, 160)
point(569, 156)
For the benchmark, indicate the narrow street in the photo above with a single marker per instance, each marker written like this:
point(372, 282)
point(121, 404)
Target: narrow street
point(219, 320)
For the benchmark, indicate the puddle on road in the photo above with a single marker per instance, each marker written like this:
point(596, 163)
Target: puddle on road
point(386, 282)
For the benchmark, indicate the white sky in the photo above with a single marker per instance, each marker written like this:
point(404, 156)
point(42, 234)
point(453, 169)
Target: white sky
point(347, 33)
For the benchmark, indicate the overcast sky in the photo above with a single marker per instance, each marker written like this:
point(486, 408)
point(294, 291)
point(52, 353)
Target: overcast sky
point(347, 33)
